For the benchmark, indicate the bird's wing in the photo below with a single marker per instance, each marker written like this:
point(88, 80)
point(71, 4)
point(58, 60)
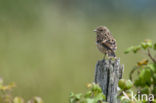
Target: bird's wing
point(111, 49)
point(110, 44)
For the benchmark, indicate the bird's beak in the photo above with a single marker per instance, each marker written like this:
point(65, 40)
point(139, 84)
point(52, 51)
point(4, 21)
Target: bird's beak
point(94, 30)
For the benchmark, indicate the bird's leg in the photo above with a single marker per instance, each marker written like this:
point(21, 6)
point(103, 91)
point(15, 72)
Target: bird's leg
point(104, 57)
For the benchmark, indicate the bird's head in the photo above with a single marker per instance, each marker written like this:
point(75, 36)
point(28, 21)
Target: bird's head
point(101, 30)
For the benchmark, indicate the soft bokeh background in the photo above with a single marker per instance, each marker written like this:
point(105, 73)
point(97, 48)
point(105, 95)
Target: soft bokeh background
point(48, 48)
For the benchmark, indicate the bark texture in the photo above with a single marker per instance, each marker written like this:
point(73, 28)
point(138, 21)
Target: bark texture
point(107, 75)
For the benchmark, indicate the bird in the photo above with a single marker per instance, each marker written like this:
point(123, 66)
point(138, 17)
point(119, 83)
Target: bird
point(105, 42)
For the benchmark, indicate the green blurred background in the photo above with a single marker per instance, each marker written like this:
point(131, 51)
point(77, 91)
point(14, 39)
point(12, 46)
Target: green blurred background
point(48, 49)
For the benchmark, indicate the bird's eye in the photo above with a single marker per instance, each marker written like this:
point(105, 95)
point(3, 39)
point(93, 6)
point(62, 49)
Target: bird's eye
point(100, 30)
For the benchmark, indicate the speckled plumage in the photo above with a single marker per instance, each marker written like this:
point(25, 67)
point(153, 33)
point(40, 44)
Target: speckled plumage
point(105, 41)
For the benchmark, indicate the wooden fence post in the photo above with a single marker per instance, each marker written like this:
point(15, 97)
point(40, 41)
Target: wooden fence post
point(107, 75)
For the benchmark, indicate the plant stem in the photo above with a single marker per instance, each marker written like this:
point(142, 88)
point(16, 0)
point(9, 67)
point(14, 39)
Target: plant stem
point(150, 56)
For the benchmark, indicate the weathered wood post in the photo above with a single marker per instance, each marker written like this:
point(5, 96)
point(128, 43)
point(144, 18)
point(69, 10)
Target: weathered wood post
point(107, 75)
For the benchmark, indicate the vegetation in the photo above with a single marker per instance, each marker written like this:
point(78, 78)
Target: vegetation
point(145, 81)
point(141, 89)
point(7, 97)
point(94, 95)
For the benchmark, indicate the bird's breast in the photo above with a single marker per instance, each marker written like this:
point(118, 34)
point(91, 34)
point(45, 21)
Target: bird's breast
point(101, 48)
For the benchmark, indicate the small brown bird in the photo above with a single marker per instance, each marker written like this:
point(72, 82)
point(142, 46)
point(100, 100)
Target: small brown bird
point(105, 41)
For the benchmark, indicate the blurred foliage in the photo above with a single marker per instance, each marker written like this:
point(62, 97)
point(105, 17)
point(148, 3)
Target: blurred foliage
point(7, 97)
point(145, 82)
point(94, 95)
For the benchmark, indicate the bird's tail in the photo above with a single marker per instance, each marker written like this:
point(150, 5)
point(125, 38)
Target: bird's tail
point(111, 54)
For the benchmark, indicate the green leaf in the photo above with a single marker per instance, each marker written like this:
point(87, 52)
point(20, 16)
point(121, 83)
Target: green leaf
point(138, 83)
point(96, 88)
point(146, 44)
point(144, 78)
point(128, 84)
point(99, 97)
point(88, 94)
point(89, 100)
point(145, 90)
point(152, 67)
point(149, 44)
point(136, 48)
point(78, 96)
point(154, 78)
point(74, 97)
point(129, 50)
point(71, 94)
point(125, 84)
